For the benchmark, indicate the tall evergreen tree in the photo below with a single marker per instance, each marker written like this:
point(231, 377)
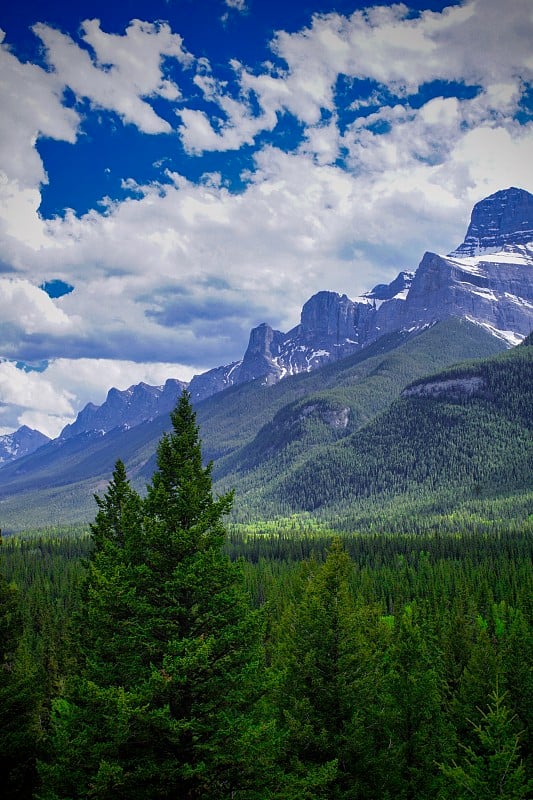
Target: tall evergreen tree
point(19, 732)
point(166, 704)
point(329, 674)
point(415, 721)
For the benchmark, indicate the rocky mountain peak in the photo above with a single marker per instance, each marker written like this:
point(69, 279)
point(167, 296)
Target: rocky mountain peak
point(503, 218)
point(329, 314)
point(20, 443)
point(128, 407)
point(388, 291)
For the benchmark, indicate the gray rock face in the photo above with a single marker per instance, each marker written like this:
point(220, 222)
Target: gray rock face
point(213, 381)
point(495, 291)
point(505, 217)
point(20, 443)
point(488, 280)
point(127, 408)
point(262, 356)
point(452, 388)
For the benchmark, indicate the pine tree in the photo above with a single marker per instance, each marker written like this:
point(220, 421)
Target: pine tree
point(491, 769)
point(415, 722)
point(19, 731)
point(327, 681)
point(166, 706)
point(116, 510)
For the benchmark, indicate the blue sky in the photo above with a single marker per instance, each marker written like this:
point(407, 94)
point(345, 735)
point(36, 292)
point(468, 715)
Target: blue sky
point(175, 172)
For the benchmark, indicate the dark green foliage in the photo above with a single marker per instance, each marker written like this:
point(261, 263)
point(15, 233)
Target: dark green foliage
point(165, 703)
point(19, 730)
point(457, 443)
point(491, 768)
point(363, 650)
point(384, 651)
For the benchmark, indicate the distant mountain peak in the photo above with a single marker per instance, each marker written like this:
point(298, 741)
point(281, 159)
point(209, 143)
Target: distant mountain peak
point(503, 218)
point(139, 403)
point(20, 443)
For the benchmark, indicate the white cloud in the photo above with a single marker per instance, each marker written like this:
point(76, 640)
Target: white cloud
point(31, 101)
point(238, 126)
point(236, 5)
point(126, 69)
point(28, 311)
point(31, 396)
point(472, 44)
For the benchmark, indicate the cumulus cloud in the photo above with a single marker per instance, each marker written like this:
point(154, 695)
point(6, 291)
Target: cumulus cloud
point(124, 71)
point(29, 311)
point(31, 107)
point(238, 124)
point(29, 396)
point(468, 44)
point(237, 5)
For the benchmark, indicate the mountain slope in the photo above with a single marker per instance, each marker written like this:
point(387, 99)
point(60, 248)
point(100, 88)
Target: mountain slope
point(20, 443)
point(239, 426)
point(127, 408)
point(343, 364)
point(467, 432)
point(339, 399)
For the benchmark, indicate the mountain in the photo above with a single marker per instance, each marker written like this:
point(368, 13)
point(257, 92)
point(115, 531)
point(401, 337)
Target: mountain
point(245, 428)
point(126, 409)
point(463, 433)
point(500, 220)
point(345, 362)
point(488, 280)
point(20, 443)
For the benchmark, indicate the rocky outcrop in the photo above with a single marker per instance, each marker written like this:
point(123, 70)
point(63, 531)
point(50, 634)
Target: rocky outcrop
point(495, 291)
point(450, 388)
point(213, 381)
point(488, 280)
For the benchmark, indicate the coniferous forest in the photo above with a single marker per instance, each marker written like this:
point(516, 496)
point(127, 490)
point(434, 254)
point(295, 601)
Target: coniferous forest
point(165, 653)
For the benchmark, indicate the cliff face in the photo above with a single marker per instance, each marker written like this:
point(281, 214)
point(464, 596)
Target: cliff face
point(501, 219)
point(488, 279)
point(20, 443)
point(495, 291)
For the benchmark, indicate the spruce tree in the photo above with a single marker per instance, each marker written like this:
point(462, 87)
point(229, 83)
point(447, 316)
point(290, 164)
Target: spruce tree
point(166, 706)
point(19, 731)
point(492, 768)
point(321, 684)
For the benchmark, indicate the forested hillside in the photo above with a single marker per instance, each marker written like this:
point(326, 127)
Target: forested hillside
point(460, 435)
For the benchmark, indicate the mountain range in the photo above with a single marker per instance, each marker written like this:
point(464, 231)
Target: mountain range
point(302, 395)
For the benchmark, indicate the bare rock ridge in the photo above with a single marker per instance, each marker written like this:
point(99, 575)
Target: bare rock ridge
point(488, 280)
point(127, 408)
point(20, 443)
